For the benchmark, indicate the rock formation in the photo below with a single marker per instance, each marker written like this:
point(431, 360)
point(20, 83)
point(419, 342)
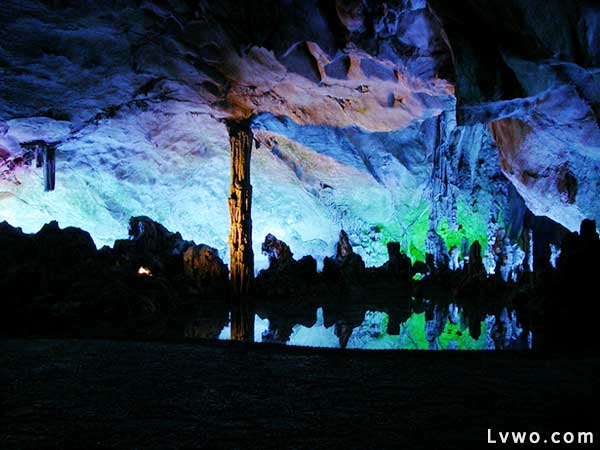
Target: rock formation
point(151, 245)
point(280, 255)
point(202, 264)
point(56, 283)
point(285, 277)
point(398, 265)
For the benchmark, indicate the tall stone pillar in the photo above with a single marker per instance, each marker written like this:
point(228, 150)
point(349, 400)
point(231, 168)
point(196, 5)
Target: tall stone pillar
point(240, 234)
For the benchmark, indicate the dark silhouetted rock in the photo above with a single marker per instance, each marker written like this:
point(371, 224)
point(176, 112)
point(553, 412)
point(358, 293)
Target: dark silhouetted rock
point(65, 247)
point(475, 327)
point(350, 264)
point(285, 276)
point(307, 268)
point(202, 264)
point(331, 270)
point(279, 252)
point(151, 245)
point(419, 267)
point(398, 264)
point(560, 321)
point(343, 332)
point(475, 267)
point(152, 237)
point(352, 268)
point(56, 283)
point(16, 247)
point(588, 233)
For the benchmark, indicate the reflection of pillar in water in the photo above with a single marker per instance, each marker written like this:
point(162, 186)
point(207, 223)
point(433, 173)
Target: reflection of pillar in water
point(242, 321)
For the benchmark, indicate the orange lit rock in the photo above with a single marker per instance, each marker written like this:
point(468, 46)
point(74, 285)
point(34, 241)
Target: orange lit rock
point(202, 264)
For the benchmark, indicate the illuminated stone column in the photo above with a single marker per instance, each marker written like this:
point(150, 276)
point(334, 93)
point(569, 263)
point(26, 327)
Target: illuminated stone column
point(240, 234)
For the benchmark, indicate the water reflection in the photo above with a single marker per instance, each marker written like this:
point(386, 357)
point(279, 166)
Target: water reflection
point(242, 321)
point(260, 328)
point(316, 336)
point(427, 327)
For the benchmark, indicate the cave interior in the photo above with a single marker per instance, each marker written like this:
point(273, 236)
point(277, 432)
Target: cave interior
point(353, 174)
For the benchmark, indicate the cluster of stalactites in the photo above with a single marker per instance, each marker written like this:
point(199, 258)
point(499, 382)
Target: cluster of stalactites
point(443, 186)
point(45, 158)
point(501, 256)
point(40, 153)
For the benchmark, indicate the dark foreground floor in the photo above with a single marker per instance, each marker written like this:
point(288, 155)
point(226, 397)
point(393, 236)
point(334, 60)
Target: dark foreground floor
point(221, 395)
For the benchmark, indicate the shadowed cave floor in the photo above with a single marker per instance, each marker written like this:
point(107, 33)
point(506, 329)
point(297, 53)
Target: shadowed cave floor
point(75, 394)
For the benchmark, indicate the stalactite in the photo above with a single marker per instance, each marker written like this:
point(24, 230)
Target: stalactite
point(39, 156)
point(436, 246)
point(43, 154)
point(528, 245)
point(240, 235)
point(49, 167)
point(443, 195)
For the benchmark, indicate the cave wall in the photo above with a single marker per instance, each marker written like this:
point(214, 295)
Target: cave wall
point(530, 69)
point(386, 119)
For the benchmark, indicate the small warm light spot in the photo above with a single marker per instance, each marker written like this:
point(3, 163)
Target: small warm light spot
point(144, 271)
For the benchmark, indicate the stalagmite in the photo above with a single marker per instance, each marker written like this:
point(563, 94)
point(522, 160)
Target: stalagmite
point(240, 235)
